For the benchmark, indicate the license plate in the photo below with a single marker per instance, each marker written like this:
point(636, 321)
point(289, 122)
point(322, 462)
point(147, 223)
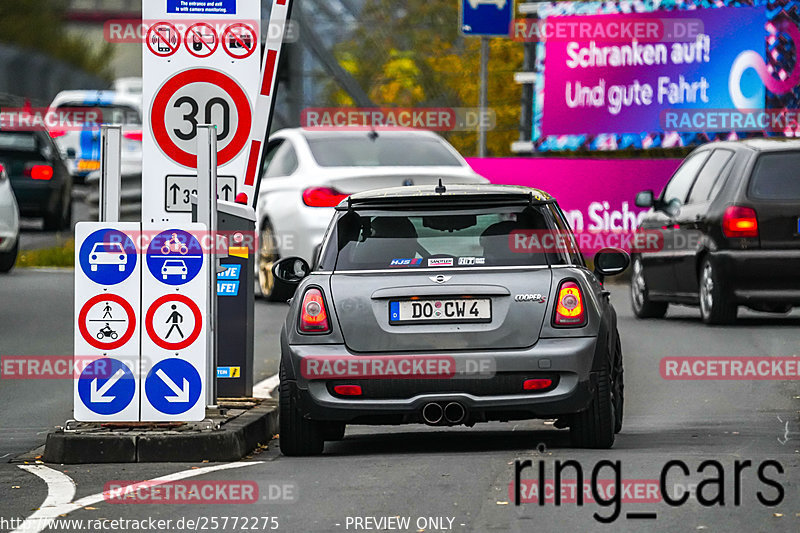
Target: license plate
point(455, 310)
point(86, 164)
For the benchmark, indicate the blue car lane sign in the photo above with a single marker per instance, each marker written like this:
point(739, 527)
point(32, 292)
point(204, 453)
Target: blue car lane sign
point(106, 386)
point(491, 18)
point(174, 257)
point(107, 256)
point(173, 386)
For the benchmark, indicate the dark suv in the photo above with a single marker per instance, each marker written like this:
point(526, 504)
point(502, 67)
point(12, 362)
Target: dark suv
point(730, 222)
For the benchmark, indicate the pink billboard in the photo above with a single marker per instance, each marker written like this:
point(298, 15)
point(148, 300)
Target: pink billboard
point(597, 195)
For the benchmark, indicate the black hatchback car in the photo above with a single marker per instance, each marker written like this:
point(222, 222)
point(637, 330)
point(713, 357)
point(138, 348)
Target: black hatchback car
point(730, 222)
point(38, 175)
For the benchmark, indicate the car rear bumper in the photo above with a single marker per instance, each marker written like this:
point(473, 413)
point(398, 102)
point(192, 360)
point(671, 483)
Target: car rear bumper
point(490, 396)
point(36, 198)
point(761, 276)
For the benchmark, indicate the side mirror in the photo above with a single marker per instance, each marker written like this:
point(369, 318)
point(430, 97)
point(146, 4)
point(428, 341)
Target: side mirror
point(673, 207)
point(291, 270)
point(611, 261)
point(645, 199)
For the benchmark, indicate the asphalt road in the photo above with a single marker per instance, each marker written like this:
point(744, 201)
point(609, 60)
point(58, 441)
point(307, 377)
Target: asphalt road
point(459, 476)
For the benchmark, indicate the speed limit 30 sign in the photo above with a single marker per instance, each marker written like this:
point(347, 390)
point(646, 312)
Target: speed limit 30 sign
point(194, 97)
point(207, 76)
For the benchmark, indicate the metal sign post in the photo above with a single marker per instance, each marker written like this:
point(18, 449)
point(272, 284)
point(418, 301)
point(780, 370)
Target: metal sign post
point(207, 214)
point(110, 172)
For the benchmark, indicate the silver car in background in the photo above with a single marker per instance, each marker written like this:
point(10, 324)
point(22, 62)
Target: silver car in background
point(9, 224)
point(308, 172)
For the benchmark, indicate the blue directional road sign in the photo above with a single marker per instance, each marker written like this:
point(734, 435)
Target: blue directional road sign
point(173, 386)
point(108, 257)
point(174, 257)
point(486, 17)
point(106, 386)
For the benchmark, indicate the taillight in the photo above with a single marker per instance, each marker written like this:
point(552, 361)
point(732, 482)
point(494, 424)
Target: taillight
point(322, 197)
point(39, 172)
point(133, 135)
point(313, 317)
point(55, 134)
point(569, 307)
point(740, 221)
point(347, 390)
point(537, 384)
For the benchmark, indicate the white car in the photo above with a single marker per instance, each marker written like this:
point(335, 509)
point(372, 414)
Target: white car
point(308, 172)
point(108, 253)
point(173, 268)
point(81, 147)
point(499, 3)
point(9, 224)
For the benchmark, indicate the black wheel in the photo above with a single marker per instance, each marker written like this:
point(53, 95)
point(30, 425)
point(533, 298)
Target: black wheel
point(9, 259)
point(268, 254)
point(298, 436)
point(642, 306)
point(716, 306)
point(618, 389)
point(333, 430)
point(594, 427)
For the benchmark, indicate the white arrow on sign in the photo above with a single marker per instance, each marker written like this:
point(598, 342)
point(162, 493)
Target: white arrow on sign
point(181, 395)
point(99, 395)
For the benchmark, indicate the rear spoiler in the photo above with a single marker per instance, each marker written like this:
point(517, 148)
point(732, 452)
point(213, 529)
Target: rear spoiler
point(453, 200)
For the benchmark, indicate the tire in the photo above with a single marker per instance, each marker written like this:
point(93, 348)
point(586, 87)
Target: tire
point(9, 259)
point(333, 430)
point(716, 306)
point(266, 285)
point(60, 218)
point(594, 427)
point(618, 388)
point(298, 436)
point(641, 304)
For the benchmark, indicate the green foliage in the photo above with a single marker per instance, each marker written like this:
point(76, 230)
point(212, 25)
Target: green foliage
point(412, 54)
point(59, 256)
point(39, 25)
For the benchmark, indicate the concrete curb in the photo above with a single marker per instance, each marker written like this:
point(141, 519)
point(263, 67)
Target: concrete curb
point(232, 441)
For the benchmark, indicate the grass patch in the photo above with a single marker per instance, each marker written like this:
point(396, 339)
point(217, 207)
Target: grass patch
point(59, 256)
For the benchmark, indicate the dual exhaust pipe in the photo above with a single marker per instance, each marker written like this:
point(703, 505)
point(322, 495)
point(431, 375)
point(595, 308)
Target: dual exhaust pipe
point(437, 414)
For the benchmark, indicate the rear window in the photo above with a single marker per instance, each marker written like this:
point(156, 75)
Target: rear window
point(119, 115)
point(776, 176)
point(452, 240)
point(17, 141)
point(381, 152)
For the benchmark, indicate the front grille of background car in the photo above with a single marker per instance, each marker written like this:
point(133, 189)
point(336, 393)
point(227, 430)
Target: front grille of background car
point(394, 389)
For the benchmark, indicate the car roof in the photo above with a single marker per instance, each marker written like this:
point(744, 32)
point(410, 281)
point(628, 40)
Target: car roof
point(774, 144)
point(96, 98)
point(453, 194)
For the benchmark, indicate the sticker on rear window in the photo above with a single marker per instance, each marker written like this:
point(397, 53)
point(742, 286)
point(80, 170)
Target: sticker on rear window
point(440, 262)
point(406, 262)
point(470, 261)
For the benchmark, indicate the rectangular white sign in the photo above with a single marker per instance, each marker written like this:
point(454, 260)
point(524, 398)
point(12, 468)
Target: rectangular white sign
point(200, 66)
point(107, 341)
point(174, 322)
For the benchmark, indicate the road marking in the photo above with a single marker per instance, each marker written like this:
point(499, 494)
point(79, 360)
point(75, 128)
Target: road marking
point(263, 389)
point(4, 456)
point(61, 490)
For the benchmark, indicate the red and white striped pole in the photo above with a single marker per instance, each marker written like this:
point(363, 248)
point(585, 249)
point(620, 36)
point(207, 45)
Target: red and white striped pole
point(265, 102)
